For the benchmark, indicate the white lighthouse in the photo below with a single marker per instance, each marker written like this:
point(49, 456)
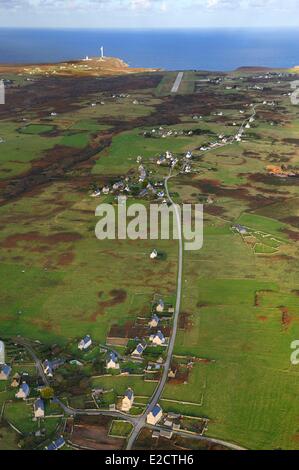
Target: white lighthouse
point(102, 52)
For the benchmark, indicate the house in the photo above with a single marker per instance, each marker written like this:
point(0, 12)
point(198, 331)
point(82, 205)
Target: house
point(56, 445)
point(5, 371)
point(154, 321)
point(96, 193)
point(155, 415)
point(23, 392)
point(128, 400)
point(105, 190)
point(112, 362)
point(48, 368)
point(160, 307)
point(85, 343)
point(158, 338)
point(240, 229)
point(39, 408)
point(189, 155)
point(154, 254)
point(138, 351)
point(2, 353)
point(172, 373)
point(16, 381)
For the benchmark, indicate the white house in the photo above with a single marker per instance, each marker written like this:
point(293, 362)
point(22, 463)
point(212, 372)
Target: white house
point(112, 362)
point(85, 343)
point(158, 338)
point(23, 392)
point(39, 408)
point(154, 321)
point(127, 401)
point(5, 371)
point(155, 415)
point(154, 254)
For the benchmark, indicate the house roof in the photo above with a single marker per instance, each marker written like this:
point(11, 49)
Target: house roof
point(25, 388)
point(140, 348)
point(160, 335)
point(156, 410)
point(113, 357)
point(55, 445)
point(5, 369)
point(59, 442)
point(39, 404)
point(129, 393)
point(156, 318)
point(86, 339)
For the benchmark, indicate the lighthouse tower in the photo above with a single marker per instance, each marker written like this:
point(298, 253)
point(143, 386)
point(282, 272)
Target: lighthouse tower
point(102, 52)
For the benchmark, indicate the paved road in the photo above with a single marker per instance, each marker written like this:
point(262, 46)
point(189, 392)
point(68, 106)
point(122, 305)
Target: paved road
point(295, 94)
point(177, 82)
point(159, 390)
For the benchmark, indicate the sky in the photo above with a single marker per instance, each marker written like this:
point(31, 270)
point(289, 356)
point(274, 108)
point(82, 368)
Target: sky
point(148, 13)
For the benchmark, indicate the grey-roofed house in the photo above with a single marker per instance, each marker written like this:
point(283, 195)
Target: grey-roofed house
point(128, 400)
point(158, 338)
point(112, 361)
point(155, 415)
point(85, 343)
point(154, 321)
point(39, 408)
point(138, 351)
point(5, 371)
point(240, 229)
point(23, 392)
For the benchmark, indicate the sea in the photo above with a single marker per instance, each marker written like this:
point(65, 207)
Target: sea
point(171, 49)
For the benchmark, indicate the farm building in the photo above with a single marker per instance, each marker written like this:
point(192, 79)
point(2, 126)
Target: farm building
point(240, 229)
point(128, 400)
point(5, 371)
point(155, 415)
point(39, 408)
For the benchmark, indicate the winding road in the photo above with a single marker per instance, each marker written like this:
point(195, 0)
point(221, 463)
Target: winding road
point(159, 390)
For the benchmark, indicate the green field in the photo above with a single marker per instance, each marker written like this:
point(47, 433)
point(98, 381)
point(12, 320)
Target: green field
point(240, 301)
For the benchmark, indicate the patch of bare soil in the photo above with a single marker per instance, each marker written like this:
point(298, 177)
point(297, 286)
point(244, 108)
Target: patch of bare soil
point(292, 220)
point(93, 434)
point(65, 259)
point(291, 234)
point(286, 318)
point(118, 296)
point(185, 322)
point(12, 241)
point(214, 210)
